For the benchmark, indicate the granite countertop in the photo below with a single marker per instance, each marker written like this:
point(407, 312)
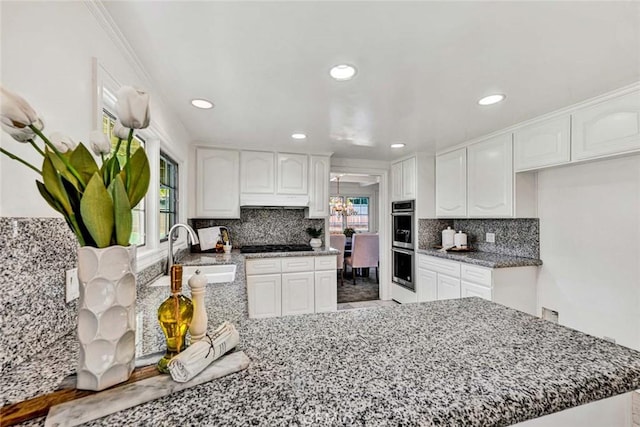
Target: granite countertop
point(453, 362)
point(315, 252)
point(484, 259)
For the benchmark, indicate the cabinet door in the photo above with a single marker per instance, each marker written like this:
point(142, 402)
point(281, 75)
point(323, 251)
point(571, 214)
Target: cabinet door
point(474, 290)
point(257, 172)
point(298, 293)
point(319, 187)
point(610, 127)
point(490, 182)
point(264, 294)
point(396, 181)
point(451, 184)
point(326, 291)
point(217, 183)
point(543, 144)
point(427, 285)
point(409, 179)
point(292, 173)
point(448, 287)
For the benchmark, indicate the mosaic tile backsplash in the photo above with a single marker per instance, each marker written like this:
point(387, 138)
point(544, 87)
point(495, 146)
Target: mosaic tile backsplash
point(514, 237)
point(35, 253)
point(265, 226)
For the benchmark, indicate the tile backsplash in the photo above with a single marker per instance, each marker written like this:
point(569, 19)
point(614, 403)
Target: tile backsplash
point(34, 256)
point(264, 226)
point(514, 237)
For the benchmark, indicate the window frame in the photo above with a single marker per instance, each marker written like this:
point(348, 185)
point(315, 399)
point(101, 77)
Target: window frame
point(176, 191)
point(346, 196)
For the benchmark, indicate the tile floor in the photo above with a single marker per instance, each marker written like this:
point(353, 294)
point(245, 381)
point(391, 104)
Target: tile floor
point(365, 304)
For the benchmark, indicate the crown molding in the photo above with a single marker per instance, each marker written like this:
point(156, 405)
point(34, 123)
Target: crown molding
point(104, 18)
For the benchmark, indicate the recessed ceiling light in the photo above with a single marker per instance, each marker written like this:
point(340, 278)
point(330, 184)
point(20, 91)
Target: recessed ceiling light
point(397, 145)
point(343, 72)
point(202, 103)
point(492, 99)
point(298, 136)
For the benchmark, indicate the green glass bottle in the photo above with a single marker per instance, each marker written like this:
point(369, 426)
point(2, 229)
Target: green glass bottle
point(175, 315)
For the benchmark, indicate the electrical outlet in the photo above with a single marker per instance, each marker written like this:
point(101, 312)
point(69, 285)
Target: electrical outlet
point(490, 237)
point(72, 288)
point(550, 315)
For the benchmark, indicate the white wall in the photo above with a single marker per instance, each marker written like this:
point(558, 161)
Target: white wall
point(590, 246)
point(46, 52)
point(352, 189)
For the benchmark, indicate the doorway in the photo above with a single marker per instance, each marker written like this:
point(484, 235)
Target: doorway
point(358, 199)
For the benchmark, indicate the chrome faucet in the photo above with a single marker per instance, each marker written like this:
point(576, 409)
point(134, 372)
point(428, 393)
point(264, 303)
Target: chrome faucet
point(191, 235)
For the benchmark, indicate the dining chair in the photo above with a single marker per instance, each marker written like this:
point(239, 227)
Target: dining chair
point(364, 253)
point(338, 241)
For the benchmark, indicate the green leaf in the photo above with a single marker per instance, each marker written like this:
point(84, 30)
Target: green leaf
point(139, 179)
point(53, 183)
point(122, 211)
point(82, 160)
point(96, 207)
point(49, 198)
point(61, 167)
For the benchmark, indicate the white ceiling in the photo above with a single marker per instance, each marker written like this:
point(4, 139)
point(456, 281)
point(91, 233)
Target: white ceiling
point(422, 66)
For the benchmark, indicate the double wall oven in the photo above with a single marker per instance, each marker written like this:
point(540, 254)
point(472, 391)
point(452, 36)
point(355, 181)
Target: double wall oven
point(403, 244)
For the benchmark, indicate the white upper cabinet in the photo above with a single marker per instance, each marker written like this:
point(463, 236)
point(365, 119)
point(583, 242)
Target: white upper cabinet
point(396, 181)
point(543, 144)
point(451, 184)
point(292, 173)
point(490, 180)
point(217, 183)
point(319, 186)
point(257, 172)
point(403, 180)
point(610, 127)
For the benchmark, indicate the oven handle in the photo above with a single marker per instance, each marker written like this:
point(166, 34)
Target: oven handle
point(403, 251)
point(402, 214)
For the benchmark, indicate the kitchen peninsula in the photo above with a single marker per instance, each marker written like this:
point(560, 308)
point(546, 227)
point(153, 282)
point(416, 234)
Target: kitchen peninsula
point(453, 362)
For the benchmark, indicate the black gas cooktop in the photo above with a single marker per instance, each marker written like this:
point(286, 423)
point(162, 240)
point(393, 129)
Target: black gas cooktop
point(256, 249)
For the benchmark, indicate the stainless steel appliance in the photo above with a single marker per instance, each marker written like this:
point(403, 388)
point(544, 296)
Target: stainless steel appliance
point(403, 225)
point(403, 268)
point(403, 243)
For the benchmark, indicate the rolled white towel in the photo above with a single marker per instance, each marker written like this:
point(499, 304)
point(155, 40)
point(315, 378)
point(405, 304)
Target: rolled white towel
point(198, 356)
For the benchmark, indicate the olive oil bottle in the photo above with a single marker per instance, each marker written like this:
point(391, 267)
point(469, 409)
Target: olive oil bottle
point(175, 315)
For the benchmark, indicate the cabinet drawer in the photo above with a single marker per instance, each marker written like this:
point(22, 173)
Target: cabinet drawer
point(294, 264)
point(326, 263)
point(263, 266)
point(474, 290)
point(475, 274)
point(450, 268)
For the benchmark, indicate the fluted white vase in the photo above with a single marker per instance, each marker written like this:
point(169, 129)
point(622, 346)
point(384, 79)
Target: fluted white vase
point(106, 316)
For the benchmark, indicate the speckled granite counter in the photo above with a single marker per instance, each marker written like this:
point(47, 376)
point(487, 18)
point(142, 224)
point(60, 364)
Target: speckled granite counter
point(483, 259)
point(455, 362)
point(315, 252)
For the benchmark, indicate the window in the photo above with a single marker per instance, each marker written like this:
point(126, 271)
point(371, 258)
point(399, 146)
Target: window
point(168, 194)
point(138, 223)
point(352, 212)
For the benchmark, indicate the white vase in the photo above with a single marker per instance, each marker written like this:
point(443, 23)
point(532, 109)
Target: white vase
point(315, 242)
point(106, 316)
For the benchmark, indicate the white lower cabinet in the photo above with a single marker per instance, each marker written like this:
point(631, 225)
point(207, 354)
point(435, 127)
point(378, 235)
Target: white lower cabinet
point(291, 285)
point(298, 293)
point(473, 290)
point(427, 285)
point(326, 291)
point(264, 295)
point(448, 287)
point(441, 279)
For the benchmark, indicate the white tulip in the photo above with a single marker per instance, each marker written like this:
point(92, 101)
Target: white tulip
point(62, 142)
point(133, 107)
point(121, 131)
point(15, 111)
point(22, 134)
point(100, 143)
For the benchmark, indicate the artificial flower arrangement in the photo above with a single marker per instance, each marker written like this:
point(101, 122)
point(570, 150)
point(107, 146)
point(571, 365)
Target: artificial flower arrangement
point(96, 201)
